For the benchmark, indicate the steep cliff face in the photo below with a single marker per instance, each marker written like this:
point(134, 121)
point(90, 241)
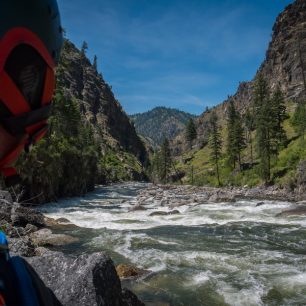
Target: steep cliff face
point(284, 66)
point(286, 56)
point(90, 141)
point(81, 81)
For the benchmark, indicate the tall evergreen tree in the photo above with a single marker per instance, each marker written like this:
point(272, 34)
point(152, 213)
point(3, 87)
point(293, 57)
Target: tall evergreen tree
point(231, 118)
point(279, 116)
point(250, 126)
point(264, 125)
point(191, 131)
point(215, 143)
point(165, 161)
point(299, 119)
point(84, 48)
point(235, 136)
point(95, 63)
point(239, 139)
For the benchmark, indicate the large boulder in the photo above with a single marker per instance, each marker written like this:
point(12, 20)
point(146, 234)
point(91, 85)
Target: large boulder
point(86, 280)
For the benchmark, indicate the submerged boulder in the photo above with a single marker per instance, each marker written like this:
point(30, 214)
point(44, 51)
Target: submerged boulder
point(130, 272)
point(298, 211)
point(86, 280)
point(164, 213)
point(45, 237)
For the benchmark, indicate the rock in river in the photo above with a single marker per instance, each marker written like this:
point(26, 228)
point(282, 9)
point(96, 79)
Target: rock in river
point(298, 211)
point(164, 213)
point(130, 272)
point(83, 281)
point(45, 237)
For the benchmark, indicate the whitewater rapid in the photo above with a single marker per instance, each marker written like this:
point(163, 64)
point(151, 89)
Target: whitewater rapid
point(209, 254)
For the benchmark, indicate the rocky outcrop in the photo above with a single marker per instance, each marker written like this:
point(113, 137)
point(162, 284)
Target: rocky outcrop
point(21, 216)
point(81, 81)
point(286, 56)
point(86, 280)
point(174, 196)
point(16, 215)
point(283, 66)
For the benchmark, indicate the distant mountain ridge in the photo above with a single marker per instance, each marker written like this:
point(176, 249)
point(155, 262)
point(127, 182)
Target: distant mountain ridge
point(160, 123)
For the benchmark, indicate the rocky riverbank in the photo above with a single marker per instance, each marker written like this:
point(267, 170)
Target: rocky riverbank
point(177, 195)
point(84, 280)
point(93, 279)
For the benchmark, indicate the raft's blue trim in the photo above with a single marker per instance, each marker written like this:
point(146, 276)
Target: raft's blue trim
point(25, 285)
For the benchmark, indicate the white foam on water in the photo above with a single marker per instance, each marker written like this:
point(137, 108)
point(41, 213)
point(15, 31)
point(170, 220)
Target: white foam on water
point(292, 282)
point(89, 213)
point(255, 271)
point(243, 297)
point(101, 218)
point(199, 279)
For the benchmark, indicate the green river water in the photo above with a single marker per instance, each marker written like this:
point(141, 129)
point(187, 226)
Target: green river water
point(209, 254)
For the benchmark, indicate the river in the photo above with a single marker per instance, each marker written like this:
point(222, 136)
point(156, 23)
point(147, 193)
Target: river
point(209, 254)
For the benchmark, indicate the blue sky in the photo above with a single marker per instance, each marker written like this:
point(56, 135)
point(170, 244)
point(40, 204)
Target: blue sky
point(185, 54)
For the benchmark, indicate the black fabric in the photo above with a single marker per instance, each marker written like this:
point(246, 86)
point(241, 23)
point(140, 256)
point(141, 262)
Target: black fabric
point(8, 281)
point(45, 296)
point(16, 125)
point(13, 180)
point(39, 16)
point(27, 69)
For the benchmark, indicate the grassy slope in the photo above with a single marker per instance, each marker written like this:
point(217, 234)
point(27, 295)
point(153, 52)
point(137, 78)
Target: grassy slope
point(283, 168)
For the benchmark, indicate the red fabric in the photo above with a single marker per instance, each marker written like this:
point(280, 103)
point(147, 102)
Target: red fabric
point(36, 127)
point(9, 172)
point(12, 156)
point(12, 97)
point(2, 302)
point(18, 36)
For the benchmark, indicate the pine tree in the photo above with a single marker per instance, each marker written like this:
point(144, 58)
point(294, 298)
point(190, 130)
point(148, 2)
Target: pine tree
point(231, 118)
point(191, 131)
point(165, 161)
point(250, 126)
point(215, 143)
point(239, 139)
point(264, 126)
point(155, 167)
point(95, 63)
point(235, 136)
point(84, 48)
point(299, 119)
point(279, 116)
